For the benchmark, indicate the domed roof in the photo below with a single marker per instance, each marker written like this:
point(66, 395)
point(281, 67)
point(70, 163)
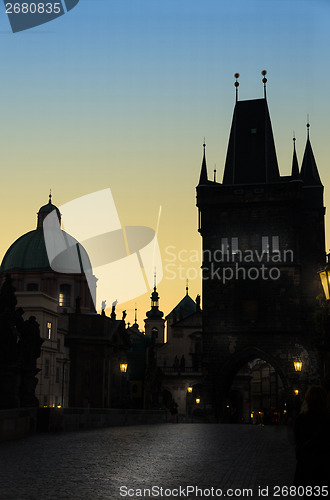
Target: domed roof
point(29, 251)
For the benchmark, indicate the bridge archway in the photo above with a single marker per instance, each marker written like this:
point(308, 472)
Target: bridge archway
point(253, 388)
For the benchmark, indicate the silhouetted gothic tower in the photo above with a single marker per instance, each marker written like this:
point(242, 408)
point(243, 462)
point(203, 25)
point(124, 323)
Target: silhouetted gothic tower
point(263, 243)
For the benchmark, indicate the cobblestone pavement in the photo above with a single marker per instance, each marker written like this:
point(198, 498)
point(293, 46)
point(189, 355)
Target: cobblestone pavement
point(95, 464)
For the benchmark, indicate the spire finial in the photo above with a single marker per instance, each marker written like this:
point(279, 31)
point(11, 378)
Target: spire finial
point(215, 174)
point(50, 196)
point(308, 125)
point(187, 287)
point(204, 144)
point(236, 75)
point(135, 315)
point(264, 81)
point(155, 280)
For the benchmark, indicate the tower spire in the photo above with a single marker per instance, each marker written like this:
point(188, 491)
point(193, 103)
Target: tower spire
point(264, 81)
point(236, 75)
point(295, 168)
point(309, 172)
point(203, 177)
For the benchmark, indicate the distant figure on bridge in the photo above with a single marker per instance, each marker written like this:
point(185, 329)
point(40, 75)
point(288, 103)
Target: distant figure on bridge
point(312, 439)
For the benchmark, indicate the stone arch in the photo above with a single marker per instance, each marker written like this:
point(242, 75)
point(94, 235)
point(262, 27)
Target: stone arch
point(235, 363)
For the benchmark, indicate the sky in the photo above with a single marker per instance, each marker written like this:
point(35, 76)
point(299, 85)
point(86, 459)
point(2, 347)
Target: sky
point(121, 93)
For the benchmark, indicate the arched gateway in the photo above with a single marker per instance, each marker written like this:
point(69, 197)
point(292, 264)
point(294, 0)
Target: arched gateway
point(263, 244)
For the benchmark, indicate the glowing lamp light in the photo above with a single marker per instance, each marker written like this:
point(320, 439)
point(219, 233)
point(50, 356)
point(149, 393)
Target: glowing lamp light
point(296, 391)
point(198, 401)
point(325, 280)
point(297, 365)
point(190, 389)
point(123, 367)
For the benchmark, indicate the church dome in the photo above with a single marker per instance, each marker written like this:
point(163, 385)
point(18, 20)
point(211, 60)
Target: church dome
point(29, 251)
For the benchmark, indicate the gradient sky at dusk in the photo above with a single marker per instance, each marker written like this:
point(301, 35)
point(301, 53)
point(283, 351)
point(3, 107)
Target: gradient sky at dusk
point(121, 93)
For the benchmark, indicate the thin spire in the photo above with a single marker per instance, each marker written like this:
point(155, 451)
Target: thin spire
point(187, 286)
point(215, 174)
point(203, 177)
point(135, 316)
point(236, 75)
point(50, 196)
point(309, 172)
point(155, 279)
point(307, 125)
point(295, 168)
point(264, 81)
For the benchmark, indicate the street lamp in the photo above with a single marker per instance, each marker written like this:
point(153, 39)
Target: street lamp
point(190, 389)
point(123, 367)
point(325, 280)
point(197, 400)
point(297, 365)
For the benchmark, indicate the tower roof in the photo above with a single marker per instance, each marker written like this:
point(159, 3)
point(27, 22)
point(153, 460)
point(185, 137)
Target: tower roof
point(184, 308)
point(251, 155)
point(309, 172)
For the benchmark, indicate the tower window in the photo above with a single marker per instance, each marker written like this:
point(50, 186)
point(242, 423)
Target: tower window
point(64, 297)
point(234, 246)
point(265, 244)
point(275, 244)
point(154, 332)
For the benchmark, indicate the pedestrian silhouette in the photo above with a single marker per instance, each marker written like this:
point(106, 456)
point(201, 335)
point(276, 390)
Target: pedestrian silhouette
point(312, 439)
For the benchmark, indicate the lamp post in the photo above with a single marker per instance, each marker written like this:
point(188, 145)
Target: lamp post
point(189, 401)
point(123, 383)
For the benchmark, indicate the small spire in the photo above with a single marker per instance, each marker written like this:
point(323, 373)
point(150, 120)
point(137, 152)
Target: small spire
point(155, 279)
point(295, 168)
point(187, 286)
point(215, 174)
point(264, 81)
point(307, 125)
point(236, 75)
point(135, 316)
point(203, 176)
point(309, 172)
point(50, 196)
